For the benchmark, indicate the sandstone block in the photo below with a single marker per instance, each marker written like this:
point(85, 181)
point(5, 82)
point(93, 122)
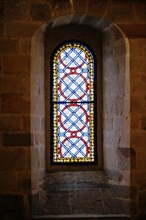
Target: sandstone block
point(143, 123)
point(80, 6)
point(16, 139)
point(138, 102)
point(8, 47)
point(18, 30)
point(120, 12)
point(123, 158)
point(140, 8)
point(15, 10)
point(140, 158)
point(62, 7)
point(142, 200)
point(138, 46)
point(25, 46)
point(12, 159)
point(36, 124)
point(24, 181)
point(10, 123)
point(25, 122)
point(16, 64)
point(138, 139)
point(134, 30)
point(1, 30)
point(40, 12)
point(8, 182)
point(135, 121)
point(7, 83)
point(15, 103)
point(138, 67)
point(139, 83)
point(138, 178)
point(95, 7)
point(12, 207)
point(0, 65)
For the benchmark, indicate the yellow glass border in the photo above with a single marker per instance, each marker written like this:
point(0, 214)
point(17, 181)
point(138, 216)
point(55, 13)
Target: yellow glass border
point(56, 159)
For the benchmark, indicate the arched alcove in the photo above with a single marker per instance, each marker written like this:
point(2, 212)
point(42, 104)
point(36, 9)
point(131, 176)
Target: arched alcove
point(88, 193)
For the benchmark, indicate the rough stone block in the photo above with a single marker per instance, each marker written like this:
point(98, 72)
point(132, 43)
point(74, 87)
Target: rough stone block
point(88, 202)
point(26, 122)
point(40, 12)
point(8, 182)
point(110, 158)
point(1, 30)
point(113, 175)
point(135, 121)
point(138, 102)
point(35, 204)
point(12, 159)
point(36, 124)
point(15, 103)
point(140, 158)
point(138, 67)
point(16, 64)
point(25, 46)
point(138, 178)
point(138, 139)
point(16, 139)
point(38, 104)
point(98, 8)
point(119, 12)
point(142, 200)
point(141, 216)
point(120, 191)
point(0, 65)
point(123, 159)
point(80, 6)
point(134, 30)
point(8, 47)
point(24, 182)
point(18, 30)
point(143, 123)
point(22, 84)
point(140, 9)
point(14, 10)
point(138, 84)
point(10, 123)
point(12, 207)
point(138, 46)
point(62, 7)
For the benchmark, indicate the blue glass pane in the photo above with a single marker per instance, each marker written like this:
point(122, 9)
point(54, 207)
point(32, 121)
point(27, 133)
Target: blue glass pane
point(73, 130)
point(73, 75)
point(73, 104)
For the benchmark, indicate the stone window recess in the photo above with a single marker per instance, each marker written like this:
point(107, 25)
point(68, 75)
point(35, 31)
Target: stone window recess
point(90, 111)
point(113, 104)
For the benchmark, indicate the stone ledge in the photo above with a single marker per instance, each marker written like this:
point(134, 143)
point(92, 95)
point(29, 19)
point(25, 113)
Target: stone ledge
point(102, 217)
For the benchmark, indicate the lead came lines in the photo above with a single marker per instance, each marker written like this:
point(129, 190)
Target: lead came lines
point(73, 106)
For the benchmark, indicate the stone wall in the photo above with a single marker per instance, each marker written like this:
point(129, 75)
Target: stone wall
point(21, 123)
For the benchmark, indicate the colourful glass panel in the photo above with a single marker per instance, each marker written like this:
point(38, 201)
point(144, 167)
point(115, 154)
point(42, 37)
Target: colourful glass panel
point(73, 104)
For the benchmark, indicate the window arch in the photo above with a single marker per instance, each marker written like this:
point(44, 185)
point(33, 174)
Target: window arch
point(75, 103)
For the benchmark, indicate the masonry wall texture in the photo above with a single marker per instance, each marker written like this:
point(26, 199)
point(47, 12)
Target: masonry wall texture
point(25, 188)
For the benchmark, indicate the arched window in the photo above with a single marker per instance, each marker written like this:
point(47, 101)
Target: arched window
point(73, 104)
point(73, 98)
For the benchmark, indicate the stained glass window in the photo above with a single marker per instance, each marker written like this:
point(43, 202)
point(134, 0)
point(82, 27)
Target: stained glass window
point(73, 104)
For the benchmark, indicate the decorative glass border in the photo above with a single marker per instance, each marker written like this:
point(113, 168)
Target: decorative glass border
point(56, 158)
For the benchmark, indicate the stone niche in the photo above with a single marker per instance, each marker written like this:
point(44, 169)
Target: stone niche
point(85, 193)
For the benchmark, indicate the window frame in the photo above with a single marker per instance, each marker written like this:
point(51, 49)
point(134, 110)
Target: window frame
point(57, 36)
